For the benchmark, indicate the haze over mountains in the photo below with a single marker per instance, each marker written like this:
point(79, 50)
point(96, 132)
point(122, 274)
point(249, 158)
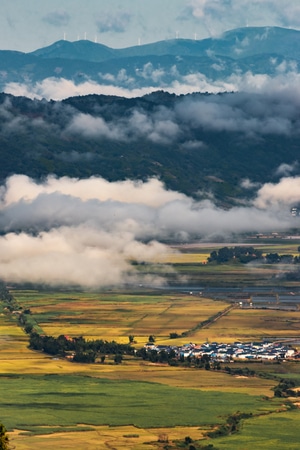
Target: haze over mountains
point(194, 139)
point(179, 65)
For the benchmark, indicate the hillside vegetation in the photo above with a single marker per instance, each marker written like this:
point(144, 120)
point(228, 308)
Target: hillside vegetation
point(159, 135)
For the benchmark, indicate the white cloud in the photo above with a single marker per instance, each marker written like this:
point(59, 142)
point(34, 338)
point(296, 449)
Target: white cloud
point(285, 80)
point(57, 18)
point(90, 126)
point(148, 72)
point(74, 256)
point(248, 184)
point(192, 145)
point(151, 193)
point(286, 169)
point(59, 89)
point(223, 15)
point(275, 195)
point(261, 105)
point(117, 22)
point(69, 231)
point(158, 127)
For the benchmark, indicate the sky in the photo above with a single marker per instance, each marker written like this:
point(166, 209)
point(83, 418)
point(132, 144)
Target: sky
point(32, 24)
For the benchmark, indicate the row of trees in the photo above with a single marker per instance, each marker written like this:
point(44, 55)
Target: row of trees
point(231, 426)
point(81, 349)
point(286, 388)
point(7, 298)
point(170, 357)
point(245, 255)
point(275, 258)
point(240, 254)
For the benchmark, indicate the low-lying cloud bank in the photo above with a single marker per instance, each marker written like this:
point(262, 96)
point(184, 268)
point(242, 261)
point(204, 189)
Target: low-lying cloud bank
point(286, 77)
point(86, 232)
point(264, 106)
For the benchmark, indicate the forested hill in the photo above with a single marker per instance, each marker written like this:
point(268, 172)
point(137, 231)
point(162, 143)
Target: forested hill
point(194, 143)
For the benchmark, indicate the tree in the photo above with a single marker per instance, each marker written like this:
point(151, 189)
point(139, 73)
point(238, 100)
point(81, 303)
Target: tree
point(174, 335)
point(85, 357)
point(118, 358)
point(188, 440)
point(3, 438)
point(213, 256)
point(151, 338)
point(131, 339)
point(28, 328)
point(225, 254)
point(272, 258)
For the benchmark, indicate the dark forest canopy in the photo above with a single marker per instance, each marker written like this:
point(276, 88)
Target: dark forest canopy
point(196, 143)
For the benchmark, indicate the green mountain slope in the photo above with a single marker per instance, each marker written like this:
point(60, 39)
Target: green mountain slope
point(158, 135)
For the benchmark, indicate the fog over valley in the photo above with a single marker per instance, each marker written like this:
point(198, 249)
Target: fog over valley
point(86, 231)
point(149, 78)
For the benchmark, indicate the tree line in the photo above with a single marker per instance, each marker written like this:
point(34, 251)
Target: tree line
point(82, 350)
point(170, 357)
point(245, 255)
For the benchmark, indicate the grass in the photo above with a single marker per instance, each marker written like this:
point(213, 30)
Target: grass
point(277, 431)
point(66, 400)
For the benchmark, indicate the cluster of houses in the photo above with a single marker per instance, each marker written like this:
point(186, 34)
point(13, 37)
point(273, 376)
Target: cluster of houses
point(229, 352)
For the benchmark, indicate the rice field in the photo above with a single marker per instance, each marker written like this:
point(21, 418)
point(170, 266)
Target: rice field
point(113, 318)
point(103, 438)
point(255, 324)
point(49, 402)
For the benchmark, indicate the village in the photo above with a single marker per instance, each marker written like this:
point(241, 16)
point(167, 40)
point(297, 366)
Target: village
point(229, 352)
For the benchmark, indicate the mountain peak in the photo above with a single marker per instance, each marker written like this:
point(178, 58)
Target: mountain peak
point(79, 50)
point(237, 43)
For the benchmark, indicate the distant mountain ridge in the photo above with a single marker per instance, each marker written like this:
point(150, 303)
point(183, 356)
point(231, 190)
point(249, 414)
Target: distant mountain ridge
point(81, 50)
point(236, 44)
point(259, 50)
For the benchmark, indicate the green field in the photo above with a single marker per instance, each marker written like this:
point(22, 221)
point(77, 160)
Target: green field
point(188, 261)
point(66, 400)
point(49, 402)
point(265, 432)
